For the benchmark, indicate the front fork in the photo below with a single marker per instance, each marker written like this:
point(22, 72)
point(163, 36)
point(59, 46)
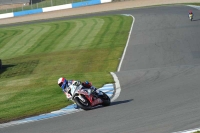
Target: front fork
point(80, 97)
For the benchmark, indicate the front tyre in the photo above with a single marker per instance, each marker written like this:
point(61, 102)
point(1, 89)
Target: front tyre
point(84, 105)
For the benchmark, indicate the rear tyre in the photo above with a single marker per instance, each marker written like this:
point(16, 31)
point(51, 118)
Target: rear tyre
point(105, 98)
point(84, 105)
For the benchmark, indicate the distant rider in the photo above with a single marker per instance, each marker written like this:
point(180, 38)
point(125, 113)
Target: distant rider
point(190, 13)
point(64, 84)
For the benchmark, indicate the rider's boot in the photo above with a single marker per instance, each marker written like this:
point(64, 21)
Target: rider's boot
point(76, 106)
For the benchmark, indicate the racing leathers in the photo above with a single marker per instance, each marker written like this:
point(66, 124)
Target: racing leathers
point(84, 85)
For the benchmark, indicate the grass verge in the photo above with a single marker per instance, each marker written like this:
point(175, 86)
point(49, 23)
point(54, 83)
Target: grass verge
point(34, 56)
point(197, 132)
point(196, 4)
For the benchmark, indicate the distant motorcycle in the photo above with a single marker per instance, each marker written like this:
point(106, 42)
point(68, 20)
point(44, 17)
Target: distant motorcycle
point(86, 99)
point(191, 17)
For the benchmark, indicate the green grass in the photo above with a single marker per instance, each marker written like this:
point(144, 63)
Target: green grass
point(196, 4)
point(35, 56)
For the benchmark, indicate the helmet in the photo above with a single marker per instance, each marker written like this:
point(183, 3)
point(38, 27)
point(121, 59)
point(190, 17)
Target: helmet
point(62, 82)
point(190, 11)
point(87, 84)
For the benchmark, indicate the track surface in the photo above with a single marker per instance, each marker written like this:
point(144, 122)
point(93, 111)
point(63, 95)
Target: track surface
point(159, 79)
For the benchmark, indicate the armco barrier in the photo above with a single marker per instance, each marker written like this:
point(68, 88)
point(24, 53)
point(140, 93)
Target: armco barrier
point(27, 12)
point(86, 3)
point(53, 8)
point(106, 1)
point(6, 15)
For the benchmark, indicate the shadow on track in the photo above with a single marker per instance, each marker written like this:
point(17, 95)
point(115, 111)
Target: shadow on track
point(195, 19)
point(112, 103)
point(121, 102)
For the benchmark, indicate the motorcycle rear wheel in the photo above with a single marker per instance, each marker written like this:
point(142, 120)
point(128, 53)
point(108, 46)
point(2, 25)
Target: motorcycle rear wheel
point(105, 98)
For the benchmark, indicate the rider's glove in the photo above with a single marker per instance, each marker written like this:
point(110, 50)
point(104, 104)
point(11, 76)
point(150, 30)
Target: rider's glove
point(77, 83)
point(68, 89)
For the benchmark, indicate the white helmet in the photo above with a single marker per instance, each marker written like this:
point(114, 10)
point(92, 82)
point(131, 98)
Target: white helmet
point(62, 82)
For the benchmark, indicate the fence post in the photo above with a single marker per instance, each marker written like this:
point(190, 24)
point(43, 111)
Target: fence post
point(31, 5)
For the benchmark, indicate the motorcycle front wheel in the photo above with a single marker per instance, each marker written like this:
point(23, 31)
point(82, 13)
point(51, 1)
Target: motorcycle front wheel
point(85, 105)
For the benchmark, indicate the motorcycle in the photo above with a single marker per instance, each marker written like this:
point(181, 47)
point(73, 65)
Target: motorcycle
point(191, 17)
point(86, 99)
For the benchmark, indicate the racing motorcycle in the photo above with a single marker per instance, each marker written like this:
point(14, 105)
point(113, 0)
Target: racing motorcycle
point(191, 17)
point(86, 99)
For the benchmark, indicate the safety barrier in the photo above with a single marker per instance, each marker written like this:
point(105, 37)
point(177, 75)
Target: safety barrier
point(6, 15)
point(53, 8)
point(22, 13)
point(86, 3)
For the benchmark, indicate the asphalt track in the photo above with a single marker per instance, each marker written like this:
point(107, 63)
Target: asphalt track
point(159, 78)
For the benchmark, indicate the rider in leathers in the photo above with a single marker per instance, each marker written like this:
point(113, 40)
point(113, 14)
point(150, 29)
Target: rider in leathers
point(190, 13)
point(64, 84)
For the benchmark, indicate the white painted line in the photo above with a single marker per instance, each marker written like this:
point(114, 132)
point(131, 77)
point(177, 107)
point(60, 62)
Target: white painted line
point(117, 87)
point(189, 131)
point(121, 60)
point(117, 84)
point(197, 7)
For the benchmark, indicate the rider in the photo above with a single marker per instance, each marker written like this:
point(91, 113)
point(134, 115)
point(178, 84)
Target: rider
point(64, 84)
point(190, 12)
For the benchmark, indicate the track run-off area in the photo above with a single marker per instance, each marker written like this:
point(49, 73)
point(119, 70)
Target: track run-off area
point(158, 76)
